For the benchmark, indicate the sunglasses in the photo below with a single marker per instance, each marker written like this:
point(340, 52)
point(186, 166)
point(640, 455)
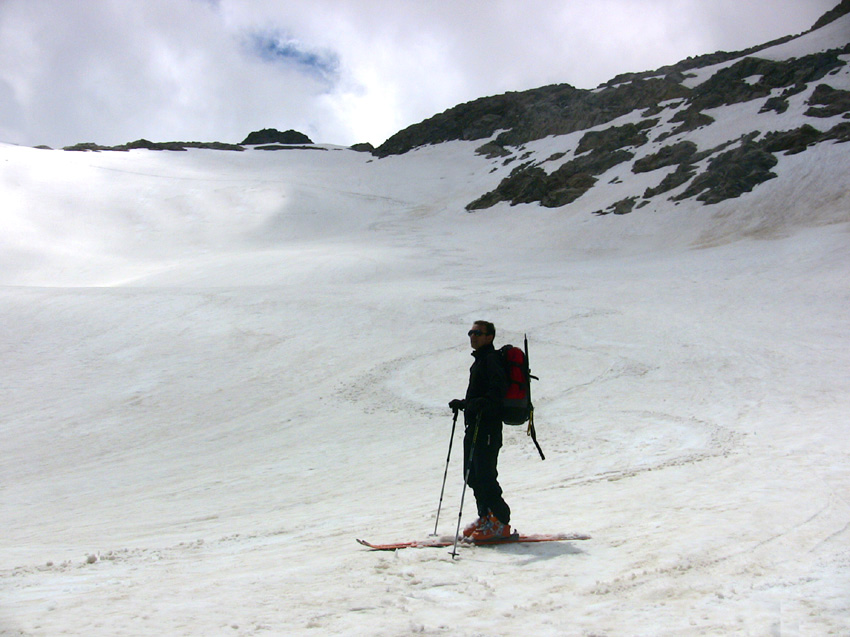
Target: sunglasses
point(476, 333)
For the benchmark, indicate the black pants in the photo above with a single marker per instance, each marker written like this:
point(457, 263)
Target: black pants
point(481, 465)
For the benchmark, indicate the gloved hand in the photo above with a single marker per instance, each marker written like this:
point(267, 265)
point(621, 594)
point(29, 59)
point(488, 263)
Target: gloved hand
point(457, 404)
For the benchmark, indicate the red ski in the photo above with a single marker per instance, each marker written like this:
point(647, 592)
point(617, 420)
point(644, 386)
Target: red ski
point(516, 538)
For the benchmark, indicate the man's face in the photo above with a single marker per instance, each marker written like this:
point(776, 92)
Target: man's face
point(478, 338)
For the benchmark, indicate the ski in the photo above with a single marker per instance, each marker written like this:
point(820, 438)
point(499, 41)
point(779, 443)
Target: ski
point(516, 538)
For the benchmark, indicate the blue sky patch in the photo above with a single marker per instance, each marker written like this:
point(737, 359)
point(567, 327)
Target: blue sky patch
point(276, 48)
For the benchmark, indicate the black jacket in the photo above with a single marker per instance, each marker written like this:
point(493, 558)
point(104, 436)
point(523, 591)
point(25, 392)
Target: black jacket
point(488, 383)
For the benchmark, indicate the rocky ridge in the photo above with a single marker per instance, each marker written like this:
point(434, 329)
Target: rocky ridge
point(265, 139)
point(665, 107)
point(149, 145)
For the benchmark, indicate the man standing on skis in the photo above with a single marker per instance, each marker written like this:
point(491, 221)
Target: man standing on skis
point(482, 412)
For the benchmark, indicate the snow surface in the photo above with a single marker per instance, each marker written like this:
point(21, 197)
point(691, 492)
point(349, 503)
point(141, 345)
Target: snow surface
point(219, 369)
point(831, 36)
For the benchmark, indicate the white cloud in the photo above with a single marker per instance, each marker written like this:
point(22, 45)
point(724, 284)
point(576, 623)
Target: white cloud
point(341, 71)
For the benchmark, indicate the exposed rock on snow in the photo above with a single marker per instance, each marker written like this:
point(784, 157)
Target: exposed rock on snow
point(148, 145)
point(689, 104)
point(273, 136)
point(706, 105)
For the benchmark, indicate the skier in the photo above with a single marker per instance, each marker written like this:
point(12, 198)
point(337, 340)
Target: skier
point(482, 414)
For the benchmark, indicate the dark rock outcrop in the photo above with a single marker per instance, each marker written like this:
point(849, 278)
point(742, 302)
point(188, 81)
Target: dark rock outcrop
point(797, 140)
point(530, 183)
point(615, 137)
point(668, 156)
point(793, 141)
point(148, 145)
point(622, 207)
point(288, 147)
point(682, 175)
point(274, 136)
point(523, 117)
point(731, 174)
point(492, 149)
point(828, 102)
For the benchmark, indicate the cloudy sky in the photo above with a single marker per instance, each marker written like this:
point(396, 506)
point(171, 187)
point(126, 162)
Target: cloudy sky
point(341, 71)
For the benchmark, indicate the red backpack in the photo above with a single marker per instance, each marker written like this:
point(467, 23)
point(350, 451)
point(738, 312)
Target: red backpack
point(517, 399)
point(518, 408)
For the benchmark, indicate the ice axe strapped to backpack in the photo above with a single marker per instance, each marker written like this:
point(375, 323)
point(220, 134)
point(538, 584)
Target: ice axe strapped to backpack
point(518, 408)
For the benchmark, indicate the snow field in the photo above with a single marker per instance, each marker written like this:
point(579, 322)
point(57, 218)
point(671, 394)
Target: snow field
point(221, 368)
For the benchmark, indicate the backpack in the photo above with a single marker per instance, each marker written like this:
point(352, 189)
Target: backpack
point(518, 409)
point(517, 399)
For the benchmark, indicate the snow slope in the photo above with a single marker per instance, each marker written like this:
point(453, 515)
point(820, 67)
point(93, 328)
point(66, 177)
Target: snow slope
point(221, 368)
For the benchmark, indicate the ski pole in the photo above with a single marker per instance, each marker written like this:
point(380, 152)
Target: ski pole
point(465, 480)
point(446, 472)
